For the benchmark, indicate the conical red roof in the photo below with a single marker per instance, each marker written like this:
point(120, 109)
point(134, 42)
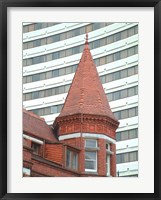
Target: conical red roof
point(86, 94)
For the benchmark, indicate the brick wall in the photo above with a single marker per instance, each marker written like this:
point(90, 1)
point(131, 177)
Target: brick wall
point(54, 152)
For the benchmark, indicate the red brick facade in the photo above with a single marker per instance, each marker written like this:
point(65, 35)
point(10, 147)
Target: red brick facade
point(82, 141)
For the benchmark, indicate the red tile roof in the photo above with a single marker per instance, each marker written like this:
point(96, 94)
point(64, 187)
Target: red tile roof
point(86, 94)
point(36, 126)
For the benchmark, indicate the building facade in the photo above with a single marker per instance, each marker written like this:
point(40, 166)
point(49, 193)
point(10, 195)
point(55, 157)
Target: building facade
point(82, 139)
point(51, 53)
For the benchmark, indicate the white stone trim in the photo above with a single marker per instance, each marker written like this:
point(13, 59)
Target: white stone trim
point(33, 139)
point(87, 135)
point(69, 136)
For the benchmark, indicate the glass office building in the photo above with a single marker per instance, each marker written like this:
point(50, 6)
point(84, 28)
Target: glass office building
point(51, 53)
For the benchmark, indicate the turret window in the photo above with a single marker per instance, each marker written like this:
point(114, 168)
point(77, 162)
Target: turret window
point(91, 155)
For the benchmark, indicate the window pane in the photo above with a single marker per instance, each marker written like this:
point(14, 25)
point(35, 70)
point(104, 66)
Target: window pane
point(91, 143)
point(97, 62)
point(103, 41)
point(131, 71)
point(89, 155)
point(88, 28)
point(131, 51)
point(124, 34)
point(61, 89)
point(48, 92)
point(42, 76)
point(124, 135)
point(116, 95)
point(28, 96)
point(110, 58)
point(62, 71)
point(123, 93)
point(69, 70)
point(117, 37)
point(123, 54)
point(133, 133)
point(103, 79)
point(75, 50)
point(43, 41)
point(131, 31)
point(133, 156)
point(60, 108)
point(96, 44)
point(67, 88)
point(31, 27)
point(124, 114)
point(49, 40)
point(132, 112)
point(62, 54)
point(49, 74)
point(90, 164)
point(131, 91)
point(47, 111)
point(29, 61)
point(118, 158)
point(75, 161)
point(29, 79)
point(125, 157)
point(55, 55)
point(25, 45)
point(69, 52)
point(35, 95)
point(25, 29)
point(41, 94)
point(117, 114)
point(118, 136)
point(68, 158)
point(102, 61)
point(116, 56)
point(49, 57)
point(56, 38)
point(110, 39)
point(109, 96)
point(96, 26)
point(109, 77)
point(55, 73)
point(54, 109)
point(116, 75)
point(24, 79)
point(35, 77)
point(123, 73)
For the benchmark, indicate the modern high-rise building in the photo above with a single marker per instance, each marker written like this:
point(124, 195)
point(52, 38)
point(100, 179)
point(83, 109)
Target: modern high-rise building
point(51, 53)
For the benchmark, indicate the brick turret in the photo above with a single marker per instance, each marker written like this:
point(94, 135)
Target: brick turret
point(86, 119)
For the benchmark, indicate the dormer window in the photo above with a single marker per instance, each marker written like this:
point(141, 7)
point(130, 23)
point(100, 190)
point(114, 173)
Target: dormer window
point(36, 148)
point(71, 159)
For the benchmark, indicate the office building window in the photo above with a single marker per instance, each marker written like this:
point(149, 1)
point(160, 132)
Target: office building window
point(122, 93)
point(131, 112)
point(91, 155)
point(127, 157)
point(71, 159)
point(126, 135)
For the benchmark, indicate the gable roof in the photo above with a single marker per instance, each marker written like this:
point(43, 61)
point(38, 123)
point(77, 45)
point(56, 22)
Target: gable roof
point(36, 126)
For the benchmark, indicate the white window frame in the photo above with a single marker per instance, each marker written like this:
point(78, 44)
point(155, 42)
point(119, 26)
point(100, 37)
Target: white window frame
point(92, 170)
point(93, 149)
point(108, 165)
point(90, 140)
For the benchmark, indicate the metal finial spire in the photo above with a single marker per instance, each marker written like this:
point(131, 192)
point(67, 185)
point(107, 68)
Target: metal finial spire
point(86, 38)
